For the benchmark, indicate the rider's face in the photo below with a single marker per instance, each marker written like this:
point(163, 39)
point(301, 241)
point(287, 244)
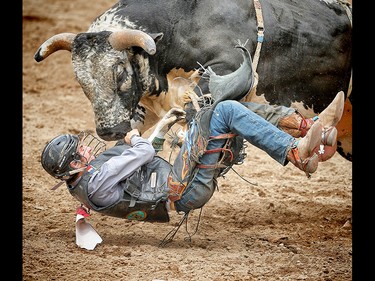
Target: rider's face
point(86, 153)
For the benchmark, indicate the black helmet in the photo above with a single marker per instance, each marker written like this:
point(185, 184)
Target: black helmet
point(58, 154)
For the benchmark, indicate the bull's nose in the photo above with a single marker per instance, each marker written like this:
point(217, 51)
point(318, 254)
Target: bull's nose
point(107, 136)
point(115, 133)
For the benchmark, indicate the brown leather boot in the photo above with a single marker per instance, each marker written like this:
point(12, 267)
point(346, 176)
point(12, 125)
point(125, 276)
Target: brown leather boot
point(329, 136)
point(303, 155)
point(298, 126)
point(328, 145)
point(332, 114)
point(295, 124)
point(325, 152)
point(329, 118)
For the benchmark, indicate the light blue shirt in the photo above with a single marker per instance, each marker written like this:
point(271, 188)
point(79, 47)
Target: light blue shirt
point(103, 187)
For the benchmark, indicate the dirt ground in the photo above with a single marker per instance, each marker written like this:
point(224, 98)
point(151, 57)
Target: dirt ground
point(286, 227)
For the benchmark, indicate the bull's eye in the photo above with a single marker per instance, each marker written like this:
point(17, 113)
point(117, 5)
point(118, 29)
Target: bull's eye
point(118, 72)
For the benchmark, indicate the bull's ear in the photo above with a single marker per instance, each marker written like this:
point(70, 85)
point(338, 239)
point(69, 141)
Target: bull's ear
point(157, 36)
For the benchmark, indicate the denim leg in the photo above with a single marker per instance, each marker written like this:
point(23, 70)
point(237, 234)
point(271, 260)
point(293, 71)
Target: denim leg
point(232, 116)
point(202, 185)
point(272, 113)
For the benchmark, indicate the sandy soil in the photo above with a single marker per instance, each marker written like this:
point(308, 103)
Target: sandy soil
point(286, 227)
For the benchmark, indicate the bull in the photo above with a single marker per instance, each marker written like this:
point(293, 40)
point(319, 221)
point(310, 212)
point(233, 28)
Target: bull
point(140, 58)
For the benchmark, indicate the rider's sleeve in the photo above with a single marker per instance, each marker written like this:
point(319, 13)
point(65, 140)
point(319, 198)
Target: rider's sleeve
point(120, 167)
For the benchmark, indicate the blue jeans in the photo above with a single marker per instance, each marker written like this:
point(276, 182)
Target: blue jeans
point(232, 116)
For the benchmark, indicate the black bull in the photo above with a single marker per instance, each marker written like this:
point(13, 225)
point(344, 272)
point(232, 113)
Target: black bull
point(304, 58)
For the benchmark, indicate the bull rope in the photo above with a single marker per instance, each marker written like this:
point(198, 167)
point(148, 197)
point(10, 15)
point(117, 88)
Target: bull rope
point(260, 28)
point(260, 37)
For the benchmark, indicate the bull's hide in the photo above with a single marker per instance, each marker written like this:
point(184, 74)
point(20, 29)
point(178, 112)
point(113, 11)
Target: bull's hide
point(304, 56)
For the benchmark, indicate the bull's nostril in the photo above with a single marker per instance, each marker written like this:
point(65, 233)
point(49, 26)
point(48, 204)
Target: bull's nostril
point(114, 133)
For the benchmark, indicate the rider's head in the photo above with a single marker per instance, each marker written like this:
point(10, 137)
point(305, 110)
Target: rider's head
point(58, 154)
point(65, 155)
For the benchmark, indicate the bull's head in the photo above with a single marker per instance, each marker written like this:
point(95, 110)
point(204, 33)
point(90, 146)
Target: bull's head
point(113, 70)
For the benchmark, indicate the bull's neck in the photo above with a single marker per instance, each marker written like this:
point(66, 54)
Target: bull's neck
point(181, 85)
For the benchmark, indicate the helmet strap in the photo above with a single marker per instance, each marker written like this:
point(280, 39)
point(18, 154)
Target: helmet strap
point(70, 173)
point(57, 185)
point(76, 171)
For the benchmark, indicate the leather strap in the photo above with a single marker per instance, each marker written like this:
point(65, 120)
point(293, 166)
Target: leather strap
point(217, 150)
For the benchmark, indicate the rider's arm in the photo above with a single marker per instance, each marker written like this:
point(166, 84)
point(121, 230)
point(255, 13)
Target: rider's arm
point(119, 167)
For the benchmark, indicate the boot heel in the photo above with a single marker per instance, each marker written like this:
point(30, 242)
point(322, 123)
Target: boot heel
point(311, 165)
point(303, 156)
point(329, 136)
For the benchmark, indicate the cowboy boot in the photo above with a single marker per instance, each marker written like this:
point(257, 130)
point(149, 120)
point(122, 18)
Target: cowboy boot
point(332, 114)
point(297, 125)
point(329, 118)
point(328, 145)
point(302, 153)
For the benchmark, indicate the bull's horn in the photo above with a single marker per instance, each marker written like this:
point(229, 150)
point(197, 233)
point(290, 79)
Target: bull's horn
point(123, 39)
point(62, 41)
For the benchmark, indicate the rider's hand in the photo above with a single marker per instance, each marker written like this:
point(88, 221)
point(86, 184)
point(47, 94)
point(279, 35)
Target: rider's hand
point(171, 117)
point(129, 135)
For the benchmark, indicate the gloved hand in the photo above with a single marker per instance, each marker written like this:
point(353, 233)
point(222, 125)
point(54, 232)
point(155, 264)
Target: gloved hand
point(170, 118)
point(173, 115)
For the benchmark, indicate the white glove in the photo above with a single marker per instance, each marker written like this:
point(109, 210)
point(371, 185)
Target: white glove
point(170, 118)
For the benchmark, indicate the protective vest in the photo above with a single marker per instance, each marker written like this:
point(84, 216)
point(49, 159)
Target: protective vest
point(145, 191)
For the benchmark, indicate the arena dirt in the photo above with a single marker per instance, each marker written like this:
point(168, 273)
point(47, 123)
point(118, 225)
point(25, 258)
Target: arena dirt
point(281, 226)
